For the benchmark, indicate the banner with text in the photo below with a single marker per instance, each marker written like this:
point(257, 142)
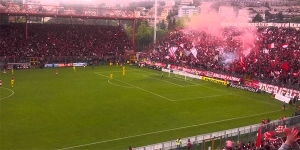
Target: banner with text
point(278, 90)
point(214, 80)
point(242, 87)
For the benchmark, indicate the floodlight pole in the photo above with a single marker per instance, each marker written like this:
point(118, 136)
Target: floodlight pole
point(155, 20)
point(26, 27)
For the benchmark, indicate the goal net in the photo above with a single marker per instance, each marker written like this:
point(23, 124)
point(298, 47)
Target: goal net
point(180, 75)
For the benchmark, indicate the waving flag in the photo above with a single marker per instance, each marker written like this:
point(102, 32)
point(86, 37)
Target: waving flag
point(194, 52)
point(255, 60)
point(258, 139)
point(284, 45)
point(242, 60)
point(172, 51)
point(216, 57)
point(285, 66)
point(271, 46)
point(279, 129)
point(186, 52)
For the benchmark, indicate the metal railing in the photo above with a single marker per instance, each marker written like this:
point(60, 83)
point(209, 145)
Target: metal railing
point(243, 134)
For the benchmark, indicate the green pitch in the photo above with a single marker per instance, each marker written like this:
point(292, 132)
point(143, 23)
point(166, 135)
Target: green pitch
point(88, 110)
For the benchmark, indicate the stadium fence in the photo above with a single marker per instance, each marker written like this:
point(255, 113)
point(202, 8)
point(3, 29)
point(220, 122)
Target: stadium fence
point(217, 140)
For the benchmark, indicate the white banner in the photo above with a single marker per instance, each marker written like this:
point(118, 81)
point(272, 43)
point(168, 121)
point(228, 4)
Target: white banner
point(282, 98)
point(278, 90)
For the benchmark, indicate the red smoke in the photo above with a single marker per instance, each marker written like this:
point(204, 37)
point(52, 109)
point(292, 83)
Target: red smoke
point(210, 21)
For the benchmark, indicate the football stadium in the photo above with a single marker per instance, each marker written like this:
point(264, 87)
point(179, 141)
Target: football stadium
point(73, 83)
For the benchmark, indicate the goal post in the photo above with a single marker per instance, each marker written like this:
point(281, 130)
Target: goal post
point(179, 75)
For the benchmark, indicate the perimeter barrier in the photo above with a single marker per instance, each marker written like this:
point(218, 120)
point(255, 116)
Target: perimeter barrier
point(216, 140)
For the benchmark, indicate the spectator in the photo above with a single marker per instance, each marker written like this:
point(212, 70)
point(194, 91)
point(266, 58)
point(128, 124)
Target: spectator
point(228, 145)
point(276, 64)
point(291, 140)
point(273, 57)
point(189, 144)
point(61, 42)
point(178, 143)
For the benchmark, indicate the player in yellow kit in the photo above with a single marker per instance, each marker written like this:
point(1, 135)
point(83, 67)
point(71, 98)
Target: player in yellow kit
point(123, 72)
point(12, 82)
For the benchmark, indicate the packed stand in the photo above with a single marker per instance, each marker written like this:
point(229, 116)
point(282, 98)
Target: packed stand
point(280, 139)
point(61, 40)
point(273, 55)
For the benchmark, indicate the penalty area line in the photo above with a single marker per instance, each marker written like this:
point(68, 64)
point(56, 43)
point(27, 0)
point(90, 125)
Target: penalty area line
point(163, 81)
point(201, 97)
point(149, 133)
point(140, 88)
point(118, 85)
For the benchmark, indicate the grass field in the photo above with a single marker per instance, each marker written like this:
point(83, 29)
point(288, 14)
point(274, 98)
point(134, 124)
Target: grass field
point(88, 110)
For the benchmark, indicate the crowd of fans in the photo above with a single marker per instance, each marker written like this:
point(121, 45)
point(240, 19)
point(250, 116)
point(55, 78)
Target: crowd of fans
point(273, 55)
point(274, 136)
point(286, 139)
point(61, 40)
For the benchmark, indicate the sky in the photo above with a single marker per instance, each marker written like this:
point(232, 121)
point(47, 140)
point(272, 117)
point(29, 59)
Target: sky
point(101, 1)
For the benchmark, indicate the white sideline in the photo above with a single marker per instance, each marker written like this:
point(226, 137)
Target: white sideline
point(149, 133)
point(12, 93)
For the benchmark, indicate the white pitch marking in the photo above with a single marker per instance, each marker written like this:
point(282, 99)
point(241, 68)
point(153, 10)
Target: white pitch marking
point(141, 89)
point(195, 84)
point(12, 93)
point(255, 100)
point(164, 81)
point(176, 78)
point(204, 85)
point(107, 72)
point(149, 133)
point(118, 85)
point(201, 97)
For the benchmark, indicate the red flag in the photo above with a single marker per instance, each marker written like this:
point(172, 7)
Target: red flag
point(258, 139)
point(284, 45)
point(285, 66)
point(271, 46)
point(172, 51)
point(295, 74)
point(272, 63)
point(255, 60)
point(242, 60)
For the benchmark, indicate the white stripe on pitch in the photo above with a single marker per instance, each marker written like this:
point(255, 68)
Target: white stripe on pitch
point(163, 81)
point(149, 133)
point(12, 93)
point(139, 88)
